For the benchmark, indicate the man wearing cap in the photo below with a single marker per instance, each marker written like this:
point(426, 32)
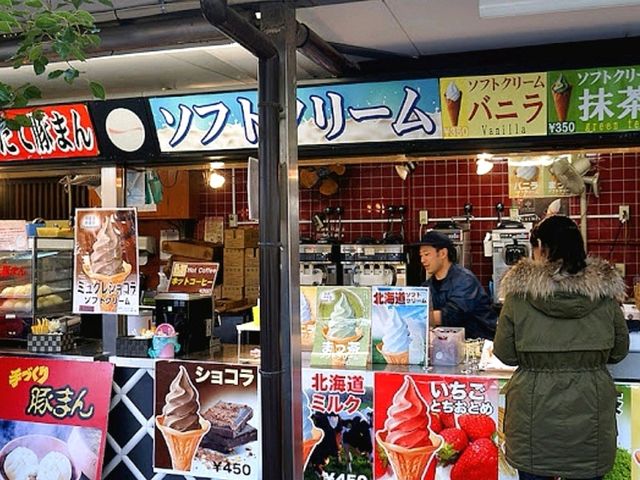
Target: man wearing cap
point(458, 299)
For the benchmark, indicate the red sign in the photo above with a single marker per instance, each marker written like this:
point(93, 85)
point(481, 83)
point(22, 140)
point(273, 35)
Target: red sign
point(63, 131)
point(193, 277)
point(57, 413)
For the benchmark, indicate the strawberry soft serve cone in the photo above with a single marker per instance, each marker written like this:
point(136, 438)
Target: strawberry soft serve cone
point(406, 439)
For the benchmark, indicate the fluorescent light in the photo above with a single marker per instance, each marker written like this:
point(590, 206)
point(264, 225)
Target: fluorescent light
point(216, 180)
point(483, 166)
point(516, 8)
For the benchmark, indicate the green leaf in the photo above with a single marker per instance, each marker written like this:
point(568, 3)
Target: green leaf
point(32, 92)
point(46, 21)
point(84, 18)
point(5, 27)
point(61, 49)
point(69, 36)
point(12, 124)
point(55, 74)
point(97, 90)
point(70, 74)
point(34, 3)
point(7, 17)
point(23, 120)
point(20, 101)
point(6, 94)
point(6, 3)
point(108, 3)
point(35, 52)
point(38, 114)
point(40, 65)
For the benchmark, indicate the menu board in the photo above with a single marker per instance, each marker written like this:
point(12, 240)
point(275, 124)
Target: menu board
point(193, 277)
point(56, 419)
point(337, 417)
point(207, 420)
point(596, 100)
point(105, 278)
point(530, 177)
point(494, 105)
point(400, 323)
point(417, 409)
point(343, 327)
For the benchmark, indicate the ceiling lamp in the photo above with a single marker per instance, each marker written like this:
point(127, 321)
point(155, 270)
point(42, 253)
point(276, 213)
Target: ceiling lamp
point(483, 163)
point(216, 180)
point(405, 169)
point(517, 8)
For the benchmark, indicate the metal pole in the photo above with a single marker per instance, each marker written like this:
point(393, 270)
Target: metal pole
point(280, 22)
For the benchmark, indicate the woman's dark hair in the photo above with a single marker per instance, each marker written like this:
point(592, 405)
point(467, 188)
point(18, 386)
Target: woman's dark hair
point(562, 241)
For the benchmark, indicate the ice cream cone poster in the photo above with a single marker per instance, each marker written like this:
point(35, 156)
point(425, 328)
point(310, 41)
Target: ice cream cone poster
point(106, 261)
point(343, 327)
point(430, 427)
point(308, 313)
point(337, 424)
point(494, 105)
point(207, 420)
point(595, 100)
point(399, 325)
point(54, 427)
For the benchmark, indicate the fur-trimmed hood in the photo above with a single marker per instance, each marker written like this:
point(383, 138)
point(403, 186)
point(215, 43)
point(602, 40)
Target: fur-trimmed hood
point(541, 280)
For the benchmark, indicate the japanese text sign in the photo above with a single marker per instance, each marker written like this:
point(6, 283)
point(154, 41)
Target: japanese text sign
point(530, 177)
point(187, 277)
point(494, 105)
point(56, 408)
point(430, 403)
point(63, 131)
point(333, 114)
point(105, 276)
point(596, 100)
point(219, 436)
point(13, 235)
point(337, 402)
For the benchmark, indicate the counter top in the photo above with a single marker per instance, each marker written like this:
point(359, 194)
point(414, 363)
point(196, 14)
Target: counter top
point(86, 351)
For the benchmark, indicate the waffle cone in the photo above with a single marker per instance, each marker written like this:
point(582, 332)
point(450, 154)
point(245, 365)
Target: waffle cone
point(108, 295)
point(453, 109)
point(410, 463)
point(341, 341)
point(400, 358)
point(182, 445)
point(561, 103)
point(308, 445)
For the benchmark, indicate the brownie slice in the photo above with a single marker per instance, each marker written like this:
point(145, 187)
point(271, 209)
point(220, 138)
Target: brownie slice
point(226, 444)
point(227, 418)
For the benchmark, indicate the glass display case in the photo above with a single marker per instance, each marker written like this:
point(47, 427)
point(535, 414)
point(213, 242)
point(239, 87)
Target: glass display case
point(34, 283)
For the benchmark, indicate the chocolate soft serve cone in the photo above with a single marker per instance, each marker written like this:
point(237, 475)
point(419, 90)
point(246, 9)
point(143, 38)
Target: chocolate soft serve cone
point(181, 425)
point(105, 265)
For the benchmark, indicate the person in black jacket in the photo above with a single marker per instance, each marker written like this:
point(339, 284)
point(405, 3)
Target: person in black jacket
point(458, 299)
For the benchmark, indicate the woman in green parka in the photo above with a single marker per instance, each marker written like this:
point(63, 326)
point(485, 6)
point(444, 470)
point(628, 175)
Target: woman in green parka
point(561, 323)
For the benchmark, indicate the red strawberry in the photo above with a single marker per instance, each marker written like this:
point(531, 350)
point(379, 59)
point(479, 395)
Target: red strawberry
point(448, 420)
point(381, 463)
point(436, 424)
point(477, 426)
point(455, 441)
point(479, 461)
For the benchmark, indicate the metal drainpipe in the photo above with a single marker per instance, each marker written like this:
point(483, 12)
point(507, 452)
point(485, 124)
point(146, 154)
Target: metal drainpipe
point(271, 372)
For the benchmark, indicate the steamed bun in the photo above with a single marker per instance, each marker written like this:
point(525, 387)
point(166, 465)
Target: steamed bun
point(54, 466)
point(20, 462)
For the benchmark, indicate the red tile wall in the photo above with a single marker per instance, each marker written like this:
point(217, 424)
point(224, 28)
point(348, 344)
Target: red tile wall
point(443, 187)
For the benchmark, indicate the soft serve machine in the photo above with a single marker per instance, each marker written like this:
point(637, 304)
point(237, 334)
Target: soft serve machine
point(374, 265)
point(320, 260)
point(509, 243)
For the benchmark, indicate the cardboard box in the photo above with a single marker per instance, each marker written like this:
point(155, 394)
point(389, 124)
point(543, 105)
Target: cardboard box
point(252, 257)
point(191, 249)
point(241, 238)
point(233, 257)
point(233, 292)
point(252, 293)
point(214, 229)
point(234, 276)
point(251, 276)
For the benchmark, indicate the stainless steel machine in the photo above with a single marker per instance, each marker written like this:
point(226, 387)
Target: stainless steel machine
point(319, 264)
point(459, 233)
point(373, 265)
point(510, 242)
